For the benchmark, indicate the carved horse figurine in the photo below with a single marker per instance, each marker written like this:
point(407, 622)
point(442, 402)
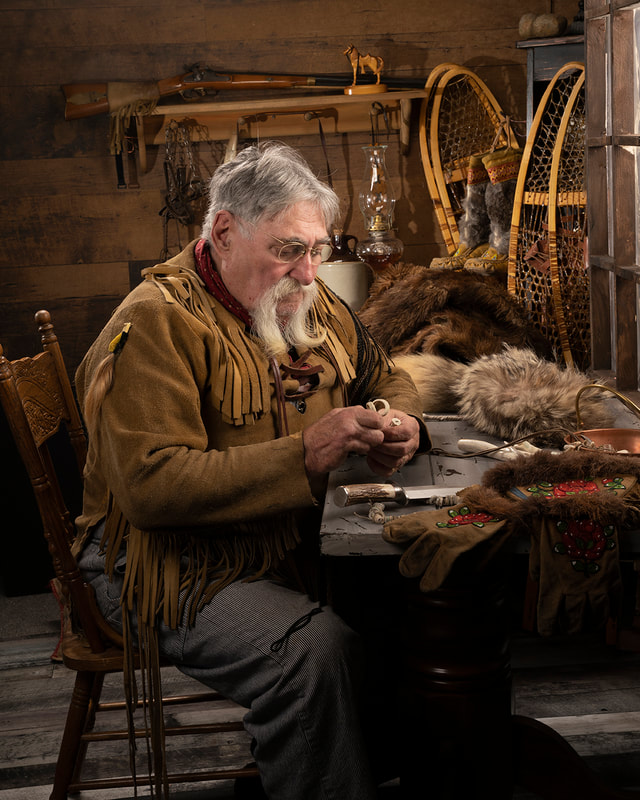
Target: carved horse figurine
point(374, 63)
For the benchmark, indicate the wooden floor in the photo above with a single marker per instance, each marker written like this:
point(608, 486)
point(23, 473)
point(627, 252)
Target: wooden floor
point(590, 693)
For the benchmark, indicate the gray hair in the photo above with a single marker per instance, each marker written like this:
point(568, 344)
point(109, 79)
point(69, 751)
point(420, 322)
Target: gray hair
point(263, 181)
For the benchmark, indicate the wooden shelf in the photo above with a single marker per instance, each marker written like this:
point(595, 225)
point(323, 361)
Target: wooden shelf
point(280, 116)
point(544, 58)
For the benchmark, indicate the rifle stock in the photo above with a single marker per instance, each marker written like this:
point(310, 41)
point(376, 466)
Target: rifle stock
point(90, 99)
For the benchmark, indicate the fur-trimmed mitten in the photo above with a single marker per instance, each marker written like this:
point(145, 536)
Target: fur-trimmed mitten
point(502, 168)
point(575, 563)
point(439, 537)
point(474, 225)
point(572, 505)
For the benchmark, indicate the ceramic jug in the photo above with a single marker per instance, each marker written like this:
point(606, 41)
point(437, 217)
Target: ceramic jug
point(344, 247)
point(344, 272)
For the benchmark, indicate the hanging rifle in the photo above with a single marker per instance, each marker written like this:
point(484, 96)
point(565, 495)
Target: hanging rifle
point(89, 99)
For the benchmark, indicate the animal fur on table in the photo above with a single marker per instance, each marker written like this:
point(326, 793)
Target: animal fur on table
point(516, 393)
point(470, 350)
point(508, 395)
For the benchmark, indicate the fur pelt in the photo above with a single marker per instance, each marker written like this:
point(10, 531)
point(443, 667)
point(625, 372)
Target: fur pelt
point(470, 350)
point(457, 315)
point(515, 393)
point(508, 395)
point(435, 378)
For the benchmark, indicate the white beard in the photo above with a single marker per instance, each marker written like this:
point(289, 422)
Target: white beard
point(281, 332)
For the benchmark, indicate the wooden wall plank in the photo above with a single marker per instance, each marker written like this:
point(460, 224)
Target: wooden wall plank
point(103, 24)
point(413, 55)
point(73, 242)
point(80, 229)
point(78, 321)
point(75, 189)
point(623, 65)
point(626, 302)
point(624, 219)
point(69, 233)
point(601, 288)
point(50, 177)
point(32, 284)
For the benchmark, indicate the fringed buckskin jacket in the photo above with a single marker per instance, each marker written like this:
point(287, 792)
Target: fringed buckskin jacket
point(196, 460)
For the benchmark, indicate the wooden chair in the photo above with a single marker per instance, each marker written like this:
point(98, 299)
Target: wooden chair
point(38, 401)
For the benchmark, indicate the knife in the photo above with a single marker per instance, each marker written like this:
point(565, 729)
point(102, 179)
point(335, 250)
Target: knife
point(350, 494)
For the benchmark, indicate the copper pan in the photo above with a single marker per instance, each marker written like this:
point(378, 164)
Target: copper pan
point(626, 439)
point(619, 439)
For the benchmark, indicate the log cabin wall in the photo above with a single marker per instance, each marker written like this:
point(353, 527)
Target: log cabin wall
point(72, 239)
point(74, 243)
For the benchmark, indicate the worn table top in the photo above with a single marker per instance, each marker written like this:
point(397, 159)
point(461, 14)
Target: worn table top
point(348, 531)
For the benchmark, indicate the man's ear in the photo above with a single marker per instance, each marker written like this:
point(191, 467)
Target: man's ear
point(222, 224)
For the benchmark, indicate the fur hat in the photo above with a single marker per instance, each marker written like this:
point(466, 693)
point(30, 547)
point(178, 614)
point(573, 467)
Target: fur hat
point(507, 395)
point(515, 393)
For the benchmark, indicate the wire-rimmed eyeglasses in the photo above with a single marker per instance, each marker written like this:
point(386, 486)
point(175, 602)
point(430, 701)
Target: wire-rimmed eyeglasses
point(292, 251)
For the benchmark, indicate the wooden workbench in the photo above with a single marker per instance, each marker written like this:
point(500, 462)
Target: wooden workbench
point(458, 736)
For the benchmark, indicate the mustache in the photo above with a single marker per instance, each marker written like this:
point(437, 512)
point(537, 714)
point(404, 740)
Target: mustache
point(287, 286)
point(278, 332)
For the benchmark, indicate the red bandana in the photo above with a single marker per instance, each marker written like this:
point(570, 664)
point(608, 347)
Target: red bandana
point(211, 277)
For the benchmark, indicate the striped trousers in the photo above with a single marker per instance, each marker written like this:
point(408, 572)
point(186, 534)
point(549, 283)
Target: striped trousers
point(296, 668)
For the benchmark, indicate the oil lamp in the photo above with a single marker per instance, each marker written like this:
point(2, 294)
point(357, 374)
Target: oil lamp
point(380, 249)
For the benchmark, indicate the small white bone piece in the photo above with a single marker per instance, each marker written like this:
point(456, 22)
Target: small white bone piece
point(380, 405)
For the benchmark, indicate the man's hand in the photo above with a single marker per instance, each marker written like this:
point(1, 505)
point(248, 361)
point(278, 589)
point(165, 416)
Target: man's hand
point(329, 441)
point(354, 429)
point(399, 445)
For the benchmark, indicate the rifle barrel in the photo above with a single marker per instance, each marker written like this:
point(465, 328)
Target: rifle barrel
point(89, 99)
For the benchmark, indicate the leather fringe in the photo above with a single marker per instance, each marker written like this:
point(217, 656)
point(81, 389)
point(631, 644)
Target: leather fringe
point(243, 391)
point(171, 576)
point(167, 570)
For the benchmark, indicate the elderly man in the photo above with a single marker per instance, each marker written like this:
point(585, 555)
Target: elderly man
point(220, 394)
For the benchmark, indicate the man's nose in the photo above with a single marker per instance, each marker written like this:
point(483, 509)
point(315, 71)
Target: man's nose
point(304, 270)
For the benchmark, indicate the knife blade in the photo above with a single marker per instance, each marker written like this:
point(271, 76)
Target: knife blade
point(350, 494)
